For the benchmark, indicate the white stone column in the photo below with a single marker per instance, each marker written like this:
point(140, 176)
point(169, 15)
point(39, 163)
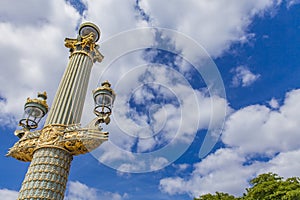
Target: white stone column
point(51, 150)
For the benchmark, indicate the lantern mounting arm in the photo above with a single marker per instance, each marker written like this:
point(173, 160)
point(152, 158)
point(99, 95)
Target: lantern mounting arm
point(71, 138)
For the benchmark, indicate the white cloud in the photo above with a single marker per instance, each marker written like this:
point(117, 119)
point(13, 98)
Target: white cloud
point(227, 171)
point(158, 162)
point(253, 137)
point(258, 129)
point(207, 22)
point(112, 16)
point(274, 103)
point(171, 122)
point(19, 12)
point(32, 52)
point(43, 66)
point(221, 171)
point(181, 167)
point(292, 3)
point(8, 194)
point(173, 185)
point(287, 164)
point(80, 191)
point(36, 39)
point(244, 77)
point(75, 191)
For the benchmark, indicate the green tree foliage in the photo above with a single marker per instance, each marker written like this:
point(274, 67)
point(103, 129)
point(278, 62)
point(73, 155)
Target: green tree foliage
point(217, 196)
point(267, 186)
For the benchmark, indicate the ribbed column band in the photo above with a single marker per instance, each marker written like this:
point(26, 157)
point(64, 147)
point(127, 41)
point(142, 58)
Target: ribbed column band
point(47, 175)
point(68, 102)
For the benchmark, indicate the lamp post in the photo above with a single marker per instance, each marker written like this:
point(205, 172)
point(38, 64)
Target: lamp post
point(51, 149)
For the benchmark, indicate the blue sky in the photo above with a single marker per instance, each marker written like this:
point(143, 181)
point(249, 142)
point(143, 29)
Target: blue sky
point(183, 71)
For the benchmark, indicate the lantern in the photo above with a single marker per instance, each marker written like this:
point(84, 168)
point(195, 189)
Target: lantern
point(34, 111)
point(104, 98)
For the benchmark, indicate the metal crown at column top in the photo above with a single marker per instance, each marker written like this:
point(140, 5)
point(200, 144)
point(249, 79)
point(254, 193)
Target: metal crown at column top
point(88, 35)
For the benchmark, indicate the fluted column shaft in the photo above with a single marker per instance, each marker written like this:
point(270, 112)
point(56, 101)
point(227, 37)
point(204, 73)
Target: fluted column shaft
point(68, 102)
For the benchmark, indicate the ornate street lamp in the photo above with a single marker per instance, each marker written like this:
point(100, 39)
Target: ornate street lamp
point(34, 111)
point(104, 98)
point(51, 149)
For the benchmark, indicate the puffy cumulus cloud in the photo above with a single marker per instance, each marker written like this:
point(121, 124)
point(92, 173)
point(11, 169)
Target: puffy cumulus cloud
point(173, 185)
point(259, 129)
point(32, 53)
point(113, 16)
point(20, 14)
point(80, 191)
point(75, 191)
point(183, 114)
point(141, 125)
point(274, 103)
point(39, 55)
point(109, 152)
point(34, 36)
point(153, 99)
point(34, 57)
point(181, 167)
point(244, 77)
point(227, 170)
point(253, 137)
point(8, 194)
point(222, 171)
point(286, 164)
point(214, 24)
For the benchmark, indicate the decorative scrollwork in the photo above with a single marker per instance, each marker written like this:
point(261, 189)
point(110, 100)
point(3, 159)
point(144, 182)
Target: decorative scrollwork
point(71, 138)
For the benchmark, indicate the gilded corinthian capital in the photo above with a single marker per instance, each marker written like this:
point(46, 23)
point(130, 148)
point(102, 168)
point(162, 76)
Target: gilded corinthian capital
point(86, 42)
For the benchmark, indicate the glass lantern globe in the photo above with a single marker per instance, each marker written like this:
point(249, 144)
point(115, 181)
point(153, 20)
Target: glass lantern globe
point(104, 98)
point(34, 111)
